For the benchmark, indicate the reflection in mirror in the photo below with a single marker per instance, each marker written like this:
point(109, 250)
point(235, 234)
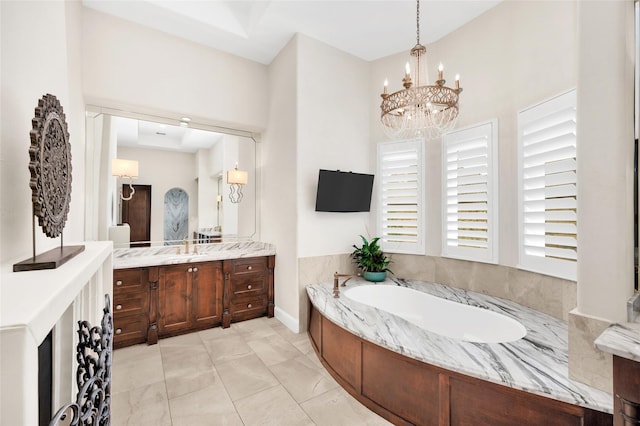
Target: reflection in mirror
point(184, 173)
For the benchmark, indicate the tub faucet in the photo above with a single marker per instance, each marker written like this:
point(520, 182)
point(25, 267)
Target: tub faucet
point(336, 277)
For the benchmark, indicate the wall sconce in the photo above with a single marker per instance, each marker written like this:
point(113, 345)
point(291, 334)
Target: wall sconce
point(125, 169)
point(236, 180)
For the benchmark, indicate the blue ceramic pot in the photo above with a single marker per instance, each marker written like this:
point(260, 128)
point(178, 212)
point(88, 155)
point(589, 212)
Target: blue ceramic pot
point(375, 277)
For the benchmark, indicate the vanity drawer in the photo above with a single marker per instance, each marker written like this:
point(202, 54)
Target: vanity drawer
point(129, 329)
point(248, 306)
point(254, 283)
point(249, 265)
point(128, 279)
point(130, 303)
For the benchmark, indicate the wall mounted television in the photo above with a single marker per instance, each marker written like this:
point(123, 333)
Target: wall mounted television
point(343, 192)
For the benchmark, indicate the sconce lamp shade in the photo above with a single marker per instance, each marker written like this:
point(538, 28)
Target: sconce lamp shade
point(128, 168)
point(237, 176)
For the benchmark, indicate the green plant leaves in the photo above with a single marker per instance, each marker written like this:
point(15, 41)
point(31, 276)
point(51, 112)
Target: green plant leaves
point(370, 257)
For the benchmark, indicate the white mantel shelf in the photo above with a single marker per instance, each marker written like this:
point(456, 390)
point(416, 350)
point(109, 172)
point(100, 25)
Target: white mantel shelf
point(32, 303)
point(37, 299)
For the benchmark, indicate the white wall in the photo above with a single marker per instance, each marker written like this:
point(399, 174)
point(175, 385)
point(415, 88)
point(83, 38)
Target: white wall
point(164, 170)
point(39, 55)
point(207, 191)
point(333, 133)
point(278, 171)
point(125, 64)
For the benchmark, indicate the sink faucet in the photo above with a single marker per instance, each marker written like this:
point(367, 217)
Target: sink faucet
point(336, 278)
point(186, 246)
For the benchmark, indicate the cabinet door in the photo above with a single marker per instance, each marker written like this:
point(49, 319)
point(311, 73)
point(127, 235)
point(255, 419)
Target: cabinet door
point(174, 299)
point(207, 294)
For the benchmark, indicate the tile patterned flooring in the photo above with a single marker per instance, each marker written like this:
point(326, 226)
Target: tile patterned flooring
point(254, 373)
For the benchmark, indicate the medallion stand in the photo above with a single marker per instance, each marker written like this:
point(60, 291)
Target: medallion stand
point(50, 183)
point(49, 259)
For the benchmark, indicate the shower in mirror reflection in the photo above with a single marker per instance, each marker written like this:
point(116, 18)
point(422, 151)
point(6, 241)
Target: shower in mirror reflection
point(236, 180)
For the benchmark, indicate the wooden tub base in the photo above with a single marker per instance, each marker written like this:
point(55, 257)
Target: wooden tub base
point(410, 392)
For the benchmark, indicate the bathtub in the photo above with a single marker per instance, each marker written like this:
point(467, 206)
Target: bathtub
point(438, 315)
point(423, 353)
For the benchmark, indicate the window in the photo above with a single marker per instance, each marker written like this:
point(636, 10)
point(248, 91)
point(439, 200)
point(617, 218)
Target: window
point(401, 196)
point(470, 193)
point(547, 193)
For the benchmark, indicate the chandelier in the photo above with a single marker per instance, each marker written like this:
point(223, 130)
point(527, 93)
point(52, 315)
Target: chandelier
point(420, 109)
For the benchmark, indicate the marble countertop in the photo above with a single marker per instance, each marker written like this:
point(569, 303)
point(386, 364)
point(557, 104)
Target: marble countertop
point(622, 340)
point(537, 363)
point(167, 255)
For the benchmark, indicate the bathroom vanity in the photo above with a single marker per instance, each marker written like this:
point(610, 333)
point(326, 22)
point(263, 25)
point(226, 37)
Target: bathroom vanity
point(158, 293)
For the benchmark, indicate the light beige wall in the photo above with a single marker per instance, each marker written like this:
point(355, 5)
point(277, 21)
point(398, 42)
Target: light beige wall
point(125, 64)
point(278, 189)
point(514, 55)
point(333, 134)
point(605, 158)
point(606, 48)
point(40, 55)
point(154, 170)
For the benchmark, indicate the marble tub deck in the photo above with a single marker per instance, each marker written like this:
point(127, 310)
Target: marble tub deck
point(537, 363)
point(168, 255)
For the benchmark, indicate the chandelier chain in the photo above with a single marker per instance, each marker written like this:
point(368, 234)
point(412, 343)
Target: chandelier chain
point(418, 22)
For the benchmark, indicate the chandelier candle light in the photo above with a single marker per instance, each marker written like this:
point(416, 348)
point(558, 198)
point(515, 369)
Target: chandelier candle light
point(418, 110)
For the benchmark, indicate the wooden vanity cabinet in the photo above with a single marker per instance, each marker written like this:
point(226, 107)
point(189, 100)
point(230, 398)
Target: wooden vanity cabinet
point(626, 391)
point(189, 297)
point(162, 301)
point(130, 306)
point(248, 289)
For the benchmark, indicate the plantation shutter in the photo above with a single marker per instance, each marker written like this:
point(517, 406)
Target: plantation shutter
point(548, 187)
point(401, 199)
point(470, 193)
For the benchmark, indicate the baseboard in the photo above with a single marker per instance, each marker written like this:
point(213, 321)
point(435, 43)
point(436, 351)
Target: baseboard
point(290, 322)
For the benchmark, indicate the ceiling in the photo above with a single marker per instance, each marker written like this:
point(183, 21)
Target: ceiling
point(259, 29)
point(150, 135)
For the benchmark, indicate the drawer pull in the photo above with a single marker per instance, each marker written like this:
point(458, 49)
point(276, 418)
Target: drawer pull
point(249, 267)
point(118, 330)
point(249, 287)
point(249, 306)
point(118, 307)
point(190, 270)
point(195, 269)
point(119, 282)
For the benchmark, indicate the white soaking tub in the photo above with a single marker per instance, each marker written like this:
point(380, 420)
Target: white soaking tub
point(438, 315)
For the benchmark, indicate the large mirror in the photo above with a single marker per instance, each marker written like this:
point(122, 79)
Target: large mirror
point(193, 182)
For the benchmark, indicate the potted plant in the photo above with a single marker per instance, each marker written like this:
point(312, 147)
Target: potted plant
point(370, 258)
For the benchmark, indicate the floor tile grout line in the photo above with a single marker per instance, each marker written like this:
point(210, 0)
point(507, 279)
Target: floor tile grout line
point(164, 376)
point(224, 386)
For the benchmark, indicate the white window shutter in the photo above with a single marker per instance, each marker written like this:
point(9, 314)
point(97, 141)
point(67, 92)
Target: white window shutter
point(548, 187)
point(401, 197)
point(470, 192)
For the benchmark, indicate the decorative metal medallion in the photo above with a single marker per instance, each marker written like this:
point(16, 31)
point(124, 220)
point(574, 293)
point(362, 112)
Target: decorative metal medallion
point(93, 376)
point(50, 166)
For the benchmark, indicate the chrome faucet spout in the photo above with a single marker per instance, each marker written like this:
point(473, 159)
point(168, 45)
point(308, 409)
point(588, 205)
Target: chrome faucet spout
point(336, 279)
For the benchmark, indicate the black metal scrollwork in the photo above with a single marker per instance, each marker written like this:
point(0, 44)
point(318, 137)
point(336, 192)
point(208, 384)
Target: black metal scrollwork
point(93, 376)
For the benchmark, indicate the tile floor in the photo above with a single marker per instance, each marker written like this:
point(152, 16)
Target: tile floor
point(254, 373)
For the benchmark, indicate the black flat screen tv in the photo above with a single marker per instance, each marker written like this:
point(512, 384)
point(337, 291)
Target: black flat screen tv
point(343, 192)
